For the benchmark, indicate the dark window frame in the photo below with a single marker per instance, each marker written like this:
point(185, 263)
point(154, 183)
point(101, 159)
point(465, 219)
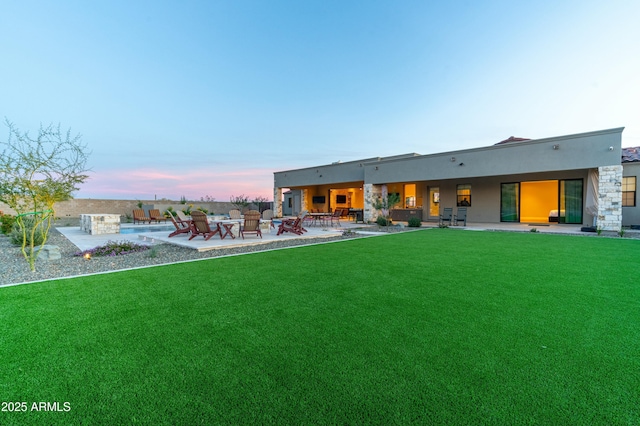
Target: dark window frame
point(629, 197)
point(462, 199)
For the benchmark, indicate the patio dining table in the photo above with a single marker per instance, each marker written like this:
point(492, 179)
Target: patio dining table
point(318, 218)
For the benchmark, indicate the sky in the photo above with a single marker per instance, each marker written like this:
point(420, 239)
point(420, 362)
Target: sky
point(202, 99)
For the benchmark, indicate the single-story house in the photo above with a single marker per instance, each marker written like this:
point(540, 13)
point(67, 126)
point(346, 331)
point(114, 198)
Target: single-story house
point(585, 178)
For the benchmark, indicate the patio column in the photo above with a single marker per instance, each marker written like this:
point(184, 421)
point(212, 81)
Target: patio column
point(277, 202)
point(304, 194)
point(610, 198)
point(372, 192)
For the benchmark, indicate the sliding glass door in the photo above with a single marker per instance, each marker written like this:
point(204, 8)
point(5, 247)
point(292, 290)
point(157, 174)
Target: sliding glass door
point(571, 201)
point(510, 202)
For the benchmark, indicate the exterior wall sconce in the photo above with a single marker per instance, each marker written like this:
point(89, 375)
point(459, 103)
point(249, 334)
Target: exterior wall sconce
point(461, 164)
point(556, 147)
point(453, 159)
point(610, 148)
point(376, 167)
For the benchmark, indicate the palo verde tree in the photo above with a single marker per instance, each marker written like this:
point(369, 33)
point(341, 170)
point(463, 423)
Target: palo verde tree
point(36, 173)
point(384, 205)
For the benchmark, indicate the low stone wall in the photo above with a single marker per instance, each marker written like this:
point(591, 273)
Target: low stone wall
point(98, 224)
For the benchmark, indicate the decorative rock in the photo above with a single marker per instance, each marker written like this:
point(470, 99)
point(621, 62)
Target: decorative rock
point(49, 252)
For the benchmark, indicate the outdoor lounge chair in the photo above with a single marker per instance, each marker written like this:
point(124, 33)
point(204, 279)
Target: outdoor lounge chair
point(460, 216)
point(154, 214)
point(445, 217)
point(235, 214)
point(182, 227)
point(139, 216)
point(268, 215)
point(293, 225)
point(251, 224)
point(200, 226)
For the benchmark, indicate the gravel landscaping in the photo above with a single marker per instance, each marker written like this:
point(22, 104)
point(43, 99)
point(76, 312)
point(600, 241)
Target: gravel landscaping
point(15, 269)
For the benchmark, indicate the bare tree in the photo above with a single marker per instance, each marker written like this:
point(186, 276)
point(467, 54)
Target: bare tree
point(240, 202)
point(35, 173)
point(260, 202)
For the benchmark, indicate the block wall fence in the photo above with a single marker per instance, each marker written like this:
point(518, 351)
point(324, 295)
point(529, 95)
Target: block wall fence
point(72, 209)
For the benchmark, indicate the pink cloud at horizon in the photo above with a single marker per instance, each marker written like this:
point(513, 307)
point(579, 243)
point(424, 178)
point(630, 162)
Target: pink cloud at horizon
point(150, 184)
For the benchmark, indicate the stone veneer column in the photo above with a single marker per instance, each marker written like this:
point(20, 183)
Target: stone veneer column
point(303, 199)
point(609, 198)
point(371, 191)
point(277, 202)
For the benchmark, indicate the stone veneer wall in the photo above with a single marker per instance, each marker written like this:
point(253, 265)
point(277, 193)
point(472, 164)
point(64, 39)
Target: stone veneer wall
point(610, 198)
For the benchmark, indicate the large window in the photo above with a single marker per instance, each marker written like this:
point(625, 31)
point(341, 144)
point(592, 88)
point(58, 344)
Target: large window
point(463, 193)
point(629, 191)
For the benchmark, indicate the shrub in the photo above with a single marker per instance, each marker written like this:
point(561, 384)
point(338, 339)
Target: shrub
point(7, 223)
point(29, 223)
point(114, 248)
point(382, 221)
point(415, 222)
point(187, 210)
point(203, 210)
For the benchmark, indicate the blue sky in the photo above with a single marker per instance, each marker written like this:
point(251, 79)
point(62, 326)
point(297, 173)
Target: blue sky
point(209, 98)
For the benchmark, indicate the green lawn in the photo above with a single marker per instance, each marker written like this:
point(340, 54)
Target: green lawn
point(438, 326)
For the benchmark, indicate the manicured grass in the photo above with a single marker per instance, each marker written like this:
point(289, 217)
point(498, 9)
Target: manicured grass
point(438, 327)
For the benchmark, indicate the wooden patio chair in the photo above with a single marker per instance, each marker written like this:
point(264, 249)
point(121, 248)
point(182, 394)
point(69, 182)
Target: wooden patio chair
point(460, 216)
point(182, 216)
point(268, 215)
point(140, 217)
point(251, 224)
point(235, 214)
point(154, 214)
point(446, 215)
point(181, 226)
point(200, 226)
point(335, 217)
point(293, 225)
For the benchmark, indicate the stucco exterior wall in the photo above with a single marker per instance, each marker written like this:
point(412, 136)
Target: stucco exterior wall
point(486, 192)
point(631, 215)
point(581, 151)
